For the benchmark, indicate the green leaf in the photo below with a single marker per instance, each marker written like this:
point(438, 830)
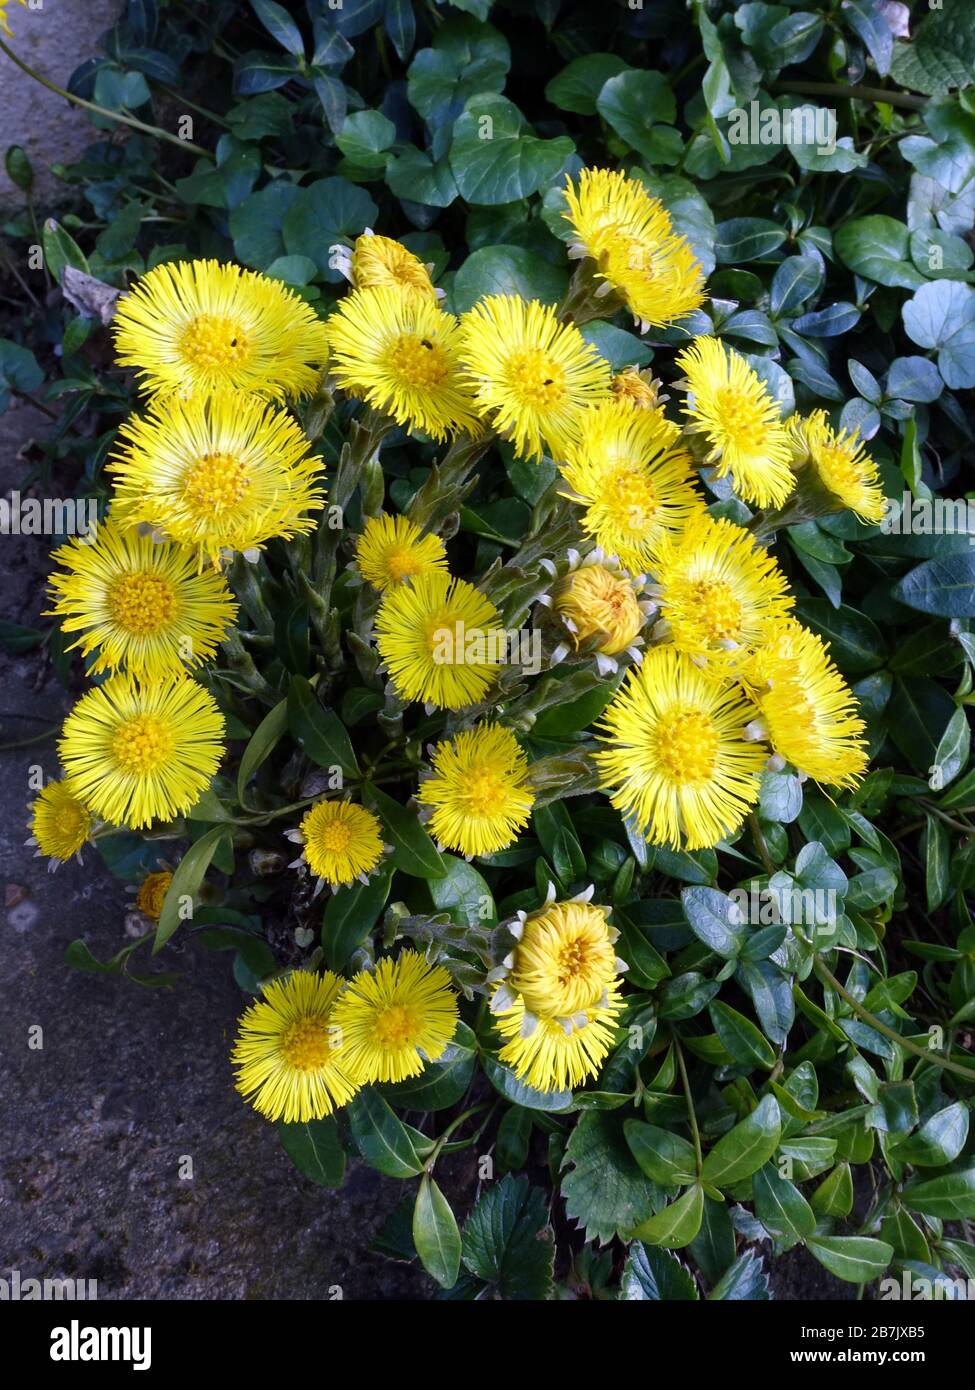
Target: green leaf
point(260, 745)
point(941, 316)
point(854, 1259)
point(187, 878)
point(507, 270)
point(61, 249)
point(743, 239)
point(382, 1139)
point(781, 1207)
point(462, 893)
point(604, 1189)
point(652, 1274)
point(443, 1082)
point(435, 1234)
point(578, 85)
point(745, 1280)
point(350, 915)
point(739, 1036)
point(856, 644)
point(678, 1223)
point(413, 850)
point(945, 587)
point(834, 1195)
point(877, 247)
point(664, 1157)
point(319, 731)
point(321, 214)
point(505, 1082)
point(640, 107)
point(365, 138)
point(315, 1149)
point(951, 1196)
point(507, 1241)
point(939, 1140)
point(744, 1149)
point(495, 157)
point(715, 919)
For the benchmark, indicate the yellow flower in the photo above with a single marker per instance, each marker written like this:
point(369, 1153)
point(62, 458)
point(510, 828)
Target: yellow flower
point(5, 26)
point(631, 238)
point(565, 959)
point(551, 1054)
point(139, 604)
point(479, 793)
point(288, 1054)
point(598, 602)
point(400, 354)
point(531, 374)
point(718, 590)
point(808, 712)
point(60, 821)
point(378, 262)
point(142, 752)
point(219, 473)
point(741, 422)
point(635, 483)
point(676, 759)
point(152, 893)
point(841, 462)
point(441, 640)
point(342, 842)
point(198, 326)
point(396, 1018)
point(640, 389)
point(392, 549)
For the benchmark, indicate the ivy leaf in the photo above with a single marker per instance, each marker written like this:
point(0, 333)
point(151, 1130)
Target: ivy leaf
point(496, 158)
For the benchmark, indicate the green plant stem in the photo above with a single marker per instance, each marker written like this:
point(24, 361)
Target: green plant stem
point(842, 91)
point(29, 742)
point(827, 977)
point(755, 826)
point(131, 121)
point(691, 1113)
point(454, 1124)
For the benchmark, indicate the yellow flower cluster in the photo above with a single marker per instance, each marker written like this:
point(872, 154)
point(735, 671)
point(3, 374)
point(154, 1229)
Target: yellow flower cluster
point(213, 466)
point(306, 1048)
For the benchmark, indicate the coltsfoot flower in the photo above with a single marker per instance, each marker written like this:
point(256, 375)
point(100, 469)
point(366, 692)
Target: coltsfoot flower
point(219, 473)
point(631, 238)
point(730, 405)
point(151, 893)
point(199, 326)
point(401, 354)
point(675, 756)
point(396, 1018)
point(290, 1062)
point(139, 604)
point(341, 843)
point(808, 712)
point(138, 753)
point(479, 795)
point(60, 822)
point(842, 465)
point(530, 374)
point(393, 549)
point(379, 262)
point(441, 639)
point(718, 590)
point(599, 602)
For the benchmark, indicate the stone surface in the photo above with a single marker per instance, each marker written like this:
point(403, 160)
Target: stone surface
point(53, 37)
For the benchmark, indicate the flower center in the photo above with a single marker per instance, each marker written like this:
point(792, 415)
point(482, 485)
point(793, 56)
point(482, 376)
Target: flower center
point(335, 837)
point(417, 362)
point(214, 484)
point(215, 342)
point(632, 499)
point(716, 608)
point(400, 563)
point(142, 603)
point(535, 379)
point(306, 1045)
point(68, 820)
point(687, 746)
point(142, 744)
point(740, 418)
point(394, 1025)
point(484, 791)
